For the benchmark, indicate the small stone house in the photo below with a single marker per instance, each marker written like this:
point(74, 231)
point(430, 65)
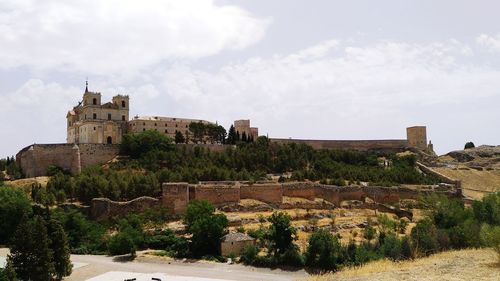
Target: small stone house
point(235, 242)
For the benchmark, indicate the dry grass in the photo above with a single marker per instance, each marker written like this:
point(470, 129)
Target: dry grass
point(454, 265)
point(28, 182)
point(475, 183)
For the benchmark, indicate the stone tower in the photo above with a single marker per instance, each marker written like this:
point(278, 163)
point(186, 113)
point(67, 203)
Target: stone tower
point(417, 137)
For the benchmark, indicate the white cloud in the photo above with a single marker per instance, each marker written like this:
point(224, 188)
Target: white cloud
point(105, 37)
point(342, 91)
point(490, 42)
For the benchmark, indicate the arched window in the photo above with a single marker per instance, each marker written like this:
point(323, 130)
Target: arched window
point(94, 101)
point(124, 104)
point(109, 140)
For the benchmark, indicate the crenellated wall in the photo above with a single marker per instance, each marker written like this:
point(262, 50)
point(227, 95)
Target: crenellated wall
point(360, 145)
point(271, 193)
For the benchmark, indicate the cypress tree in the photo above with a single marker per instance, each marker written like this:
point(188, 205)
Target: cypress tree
point(60, 247)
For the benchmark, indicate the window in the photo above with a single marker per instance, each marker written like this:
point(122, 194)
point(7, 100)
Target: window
point(109, 116)
point(166, 131)
point(94, 128)
point(123, 118)
point(155, 124)
point(143, 123)
point(143, 129)
point(94, 116)
point(124, 104)
point(94, 101)
point(176, 125)
point(186, 126)
point(109, 140)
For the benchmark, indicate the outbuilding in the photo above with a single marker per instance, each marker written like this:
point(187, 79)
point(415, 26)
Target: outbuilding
point(235, 242)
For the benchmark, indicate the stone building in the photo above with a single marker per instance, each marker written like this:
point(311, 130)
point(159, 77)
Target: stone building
point(165, 125)
point(243, 127)
point(233, 243)
point(93, 122)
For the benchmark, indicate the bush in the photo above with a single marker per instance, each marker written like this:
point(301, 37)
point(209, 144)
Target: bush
point(249, 254)
point(392, 247)
point(424, 237)
point(292, 257)
point(469, 145)
point(120, 244)
point(406, 248)
point(490, 237)
point(323, 250)
point(14, 204)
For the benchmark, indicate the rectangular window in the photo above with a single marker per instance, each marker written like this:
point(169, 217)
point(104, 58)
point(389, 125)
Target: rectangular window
point(94, 116)
point(123, 117)
point(166, 131)
point(109, 116)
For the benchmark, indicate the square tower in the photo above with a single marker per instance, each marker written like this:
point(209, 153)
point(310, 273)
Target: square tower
point(417, 137)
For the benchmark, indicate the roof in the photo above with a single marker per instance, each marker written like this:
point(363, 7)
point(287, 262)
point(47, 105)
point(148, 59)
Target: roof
point(163, 118)
point(237, 236)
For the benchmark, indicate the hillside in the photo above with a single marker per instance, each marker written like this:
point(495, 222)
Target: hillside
point(453, 265)
point(478, 169)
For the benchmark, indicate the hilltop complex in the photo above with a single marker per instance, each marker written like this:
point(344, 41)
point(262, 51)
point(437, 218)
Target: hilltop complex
point(94, 129)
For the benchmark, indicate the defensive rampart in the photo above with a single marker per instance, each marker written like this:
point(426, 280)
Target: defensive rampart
point(361, 145)
point(176, 196)
point(103, 208)
point(35, 159)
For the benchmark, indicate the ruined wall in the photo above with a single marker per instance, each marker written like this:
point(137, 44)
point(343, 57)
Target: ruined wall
point(305, 190)
point(217, 194)
point(361, 145)
point(103, 208)
point(175, 197)
point(35, 159)
point(266, 192)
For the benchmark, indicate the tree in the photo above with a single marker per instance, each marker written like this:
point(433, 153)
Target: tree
point(30, 254)
point(281, 233)
point(179, 137)
point(231, 135)
point(137, 145)
point(469, 145)
point(60, 248)
point(14, 204)
point(198, 130)
point(323, 250)
point(206, 227)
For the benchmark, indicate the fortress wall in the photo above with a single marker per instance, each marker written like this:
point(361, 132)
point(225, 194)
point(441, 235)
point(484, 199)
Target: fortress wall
point(443, 178)
point(175, 197)
point(305, 190)
point(97, 154)
point(103, 208)
point(34, 160)
point(211, 147)
point(218, 194)
point(265, 192)
point(361, 145)
point(329, 193)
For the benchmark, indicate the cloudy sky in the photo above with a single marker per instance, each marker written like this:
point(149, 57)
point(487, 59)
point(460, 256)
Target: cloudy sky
point(302, 69)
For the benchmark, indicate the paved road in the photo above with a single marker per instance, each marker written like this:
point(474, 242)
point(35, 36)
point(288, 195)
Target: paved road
point(89, 266)
point(98, 265)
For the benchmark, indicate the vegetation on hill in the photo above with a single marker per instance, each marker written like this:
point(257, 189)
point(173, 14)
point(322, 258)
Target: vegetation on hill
point(153, 159)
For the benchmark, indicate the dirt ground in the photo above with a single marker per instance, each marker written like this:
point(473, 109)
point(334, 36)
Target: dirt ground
point(475, 183)
point(454, 265)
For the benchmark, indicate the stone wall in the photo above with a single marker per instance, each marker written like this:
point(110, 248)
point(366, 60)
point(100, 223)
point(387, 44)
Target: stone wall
point(103, 208)
point(35, 159)
point(217, 194)
point(305, 190)
point(223, 193)
point(266, 192)
point(175, 197)
point(361, 145)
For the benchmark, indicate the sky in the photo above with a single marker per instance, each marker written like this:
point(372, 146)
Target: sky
point(315, 69)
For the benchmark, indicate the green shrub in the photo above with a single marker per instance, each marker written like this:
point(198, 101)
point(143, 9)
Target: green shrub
point(406, 248)
point(120, 244)
point(424, 237)
point(14, 204)
point(392, 248)
point(249, 254)
point(490, 237)
point(323, 250)
point(292, 257)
